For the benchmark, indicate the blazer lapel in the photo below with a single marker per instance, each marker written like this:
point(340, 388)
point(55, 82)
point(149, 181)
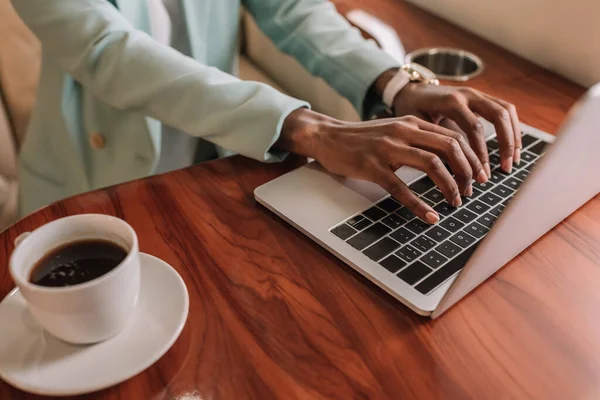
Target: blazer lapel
point(136, 12)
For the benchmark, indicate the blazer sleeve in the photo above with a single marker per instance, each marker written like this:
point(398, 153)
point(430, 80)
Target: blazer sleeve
point(129, 70)
point(325, 43)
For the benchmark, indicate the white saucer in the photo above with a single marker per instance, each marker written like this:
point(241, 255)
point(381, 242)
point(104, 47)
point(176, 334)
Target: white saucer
point(34, 361)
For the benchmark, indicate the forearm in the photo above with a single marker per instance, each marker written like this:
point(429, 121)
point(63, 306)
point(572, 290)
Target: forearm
point(381, 82)
point(127, 69)
point(325, 43)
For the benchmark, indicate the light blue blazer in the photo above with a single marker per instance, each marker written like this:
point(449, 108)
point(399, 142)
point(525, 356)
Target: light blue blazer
point(103, 72)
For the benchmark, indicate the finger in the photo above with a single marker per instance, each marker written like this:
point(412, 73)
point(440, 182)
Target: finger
point(470, 124)
point(449, 149)
point(514, 117)
point(388, 180)
point(500, 117)
point(432, 165)
point(474, 161)
point(451, 124)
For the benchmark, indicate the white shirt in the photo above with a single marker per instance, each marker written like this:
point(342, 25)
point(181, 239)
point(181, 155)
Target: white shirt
point(178, 150)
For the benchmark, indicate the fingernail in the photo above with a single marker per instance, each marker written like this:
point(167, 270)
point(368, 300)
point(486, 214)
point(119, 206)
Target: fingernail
point(517, 156)
point(507, 165)
point(457, 202)
point(469, 191)
point(432, 217)
point(482, 177)
point(488, 170)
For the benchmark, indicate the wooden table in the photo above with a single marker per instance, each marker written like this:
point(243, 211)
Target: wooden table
point(273, 315)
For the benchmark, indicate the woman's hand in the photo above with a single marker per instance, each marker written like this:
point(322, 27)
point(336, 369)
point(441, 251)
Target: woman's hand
point(461, 105)
point(374, 150)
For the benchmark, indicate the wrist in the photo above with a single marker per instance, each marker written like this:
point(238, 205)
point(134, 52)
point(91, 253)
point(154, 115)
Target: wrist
point(302, 131)
point(382, 81)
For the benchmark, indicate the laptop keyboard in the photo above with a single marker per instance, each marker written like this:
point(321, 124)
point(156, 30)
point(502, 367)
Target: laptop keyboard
point(423, 255)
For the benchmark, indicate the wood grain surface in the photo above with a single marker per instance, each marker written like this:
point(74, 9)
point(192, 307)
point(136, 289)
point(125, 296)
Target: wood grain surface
point(274, 316)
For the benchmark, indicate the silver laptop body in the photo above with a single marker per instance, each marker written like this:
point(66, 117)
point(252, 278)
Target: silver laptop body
point(430, 268)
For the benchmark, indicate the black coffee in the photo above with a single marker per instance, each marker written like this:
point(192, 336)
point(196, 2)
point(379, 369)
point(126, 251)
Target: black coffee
point(77, 262)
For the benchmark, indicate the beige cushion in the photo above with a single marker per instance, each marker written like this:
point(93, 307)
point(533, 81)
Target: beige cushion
point(20, 58)
point(248, 71)
point(8, 171)
point(292, 76)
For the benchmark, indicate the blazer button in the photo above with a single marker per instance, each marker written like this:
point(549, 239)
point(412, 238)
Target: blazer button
point(97, 141)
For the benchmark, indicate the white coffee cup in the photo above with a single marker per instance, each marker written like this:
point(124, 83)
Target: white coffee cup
point(92, 311)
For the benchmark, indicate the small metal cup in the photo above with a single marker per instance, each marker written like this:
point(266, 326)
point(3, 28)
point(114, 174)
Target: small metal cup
point(448, 63)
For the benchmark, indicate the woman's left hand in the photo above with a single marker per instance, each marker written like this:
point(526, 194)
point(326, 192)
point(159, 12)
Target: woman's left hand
point(462, 105)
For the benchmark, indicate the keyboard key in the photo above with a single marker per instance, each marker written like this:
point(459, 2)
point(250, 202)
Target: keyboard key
point(538, 148)
point(494, 160)
point(452, 224)
point(448, 249)
point(405, 213)
point(527, 140)
point(444, 208)
point(355, 220)
point(369, 236)
point(493, 144)
point(434, 195)
point(392, 264)
point(522, 175)
point(402, 235)
point(423, 185)
point(389, 205)
point(512, 183)
point(476, 230)
point(483, 186)
point(365, 222)
point(427, 201)
point(393, 221)
point(414, 273)
point(441, 275)
point(408, 253)
point(490, 199)
point(434, 259)
point(478, 207)
point(381, 249)
point(520, 165)
point(423, 243)
point(496, 211)
point(437, 233)
point(462, 239)
point(476, 193)
point(343, 231)
point(505, 202)
point(487, 220)
point(465, 215)
point(502, 173)
point(374, 213)
point(496, 177)
point(417, 226)
point(529, 157)
point(503, 191)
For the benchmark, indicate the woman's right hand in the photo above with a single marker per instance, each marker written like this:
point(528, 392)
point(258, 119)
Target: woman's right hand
point(374, 150)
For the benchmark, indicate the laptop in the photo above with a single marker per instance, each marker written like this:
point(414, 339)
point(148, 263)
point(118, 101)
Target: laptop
point(431, 267)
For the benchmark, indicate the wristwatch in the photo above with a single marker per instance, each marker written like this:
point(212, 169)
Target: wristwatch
point(406, 74)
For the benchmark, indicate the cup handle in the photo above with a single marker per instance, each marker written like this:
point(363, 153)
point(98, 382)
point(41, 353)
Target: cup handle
point(21, 237)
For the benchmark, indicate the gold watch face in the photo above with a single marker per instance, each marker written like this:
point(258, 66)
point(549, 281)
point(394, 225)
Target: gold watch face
point(420, 73)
